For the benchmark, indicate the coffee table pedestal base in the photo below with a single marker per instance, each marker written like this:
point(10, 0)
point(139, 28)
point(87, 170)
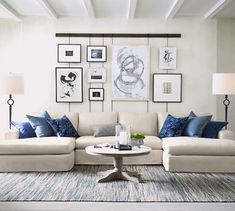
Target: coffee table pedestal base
point(116, 173)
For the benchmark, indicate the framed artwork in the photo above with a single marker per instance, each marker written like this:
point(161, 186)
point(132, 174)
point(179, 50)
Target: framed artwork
point(96, 94)
point(167, 88)
point(69, 53)
point(167, 58)
point(69, 84)
point(96, 53)
point(96, 75)
point(130, 73)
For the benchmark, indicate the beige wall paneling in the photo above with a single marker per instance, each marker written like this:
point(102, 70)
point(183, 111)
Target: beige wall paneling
point(84, 106)
point(155, 44)
point(226, 64)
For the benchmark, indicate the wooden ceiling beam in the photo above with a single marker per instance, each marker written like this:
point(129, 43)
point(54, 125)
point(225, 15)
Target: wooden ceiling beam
point(132, 5)
point(214, 10)
point(8, 9)
point(48, 8)
point(171, 13)
point(89, 8)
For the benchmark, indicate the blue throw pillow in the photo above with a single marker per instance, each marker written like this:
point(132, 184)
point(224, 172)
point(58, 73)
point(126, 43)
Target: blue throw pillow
point(212, 129)
point(25, 129)
point(172, 127)
point(40, 125)
point(195, 125)
point(63, 127)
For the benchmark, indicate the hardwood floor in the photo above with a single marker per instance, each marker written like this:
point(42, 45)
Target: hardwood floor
point(103, 206)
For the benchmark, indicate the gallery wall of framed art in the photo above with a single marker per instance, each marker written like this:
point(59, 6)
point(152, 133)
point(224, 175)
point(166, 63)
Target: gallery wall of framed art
point(114, 74)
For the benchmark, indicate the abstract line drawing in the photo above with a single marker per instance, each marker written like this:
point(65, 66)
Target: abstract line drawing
point(130, 72)
point(167, 58)
point(69, 84)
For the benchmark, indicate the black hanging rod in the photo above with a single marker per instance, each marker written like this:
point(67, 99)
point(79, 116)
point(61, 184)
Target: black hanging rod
point(118, 35)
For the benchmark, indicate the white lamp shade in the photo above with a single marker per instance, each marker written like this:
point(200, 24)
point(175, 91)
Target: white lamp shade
point(223, 84)
point(12, 84)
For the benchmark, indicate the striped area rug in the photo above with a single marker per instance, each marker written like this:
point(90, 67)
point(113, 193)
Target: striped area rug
point(80, 184)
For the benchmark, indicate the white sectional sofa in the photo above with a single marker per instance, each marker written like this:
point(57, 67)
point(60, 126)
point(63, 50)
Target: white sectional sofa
point(183, 154)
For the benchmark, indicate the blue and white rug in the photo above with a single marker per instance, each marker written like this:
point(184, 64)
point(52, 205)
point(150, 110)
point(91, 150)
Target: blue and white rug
point(80, 185)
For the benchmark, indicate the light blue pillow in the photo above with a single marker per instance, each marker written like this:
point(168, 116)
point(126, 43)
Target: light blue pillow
point(63, 127)
point(40, 125)
point(195, 125)
point(104, 130)
point(25, 129)
point(172, 127)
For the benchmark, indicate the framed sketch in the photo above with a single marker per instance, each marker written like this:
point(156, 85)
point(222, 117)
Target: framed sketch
point(167, 88)
point(167, 58)
point(96, 53)
point(96, 75)
point(130, 73)
point(69, 84)
point(96, 94)
point(69, 53)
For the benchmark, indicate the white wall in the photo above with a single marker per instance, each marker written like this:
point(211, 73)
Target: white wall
point(31, 47)
point(226, 64)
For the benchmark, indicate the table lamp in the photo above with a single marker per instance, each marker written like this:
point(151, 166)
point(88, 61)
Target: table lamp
point(224, 84)
point(11, 84)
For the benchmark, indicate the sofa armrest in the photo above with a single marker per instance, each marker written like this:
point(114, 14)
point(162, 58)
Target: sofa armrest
point(11, 134)
point(226, 134)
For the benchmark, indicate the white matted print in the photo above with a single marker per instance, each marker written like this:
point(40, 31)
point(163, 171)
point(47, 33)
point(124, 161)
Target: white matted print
point(69, 85)
point(167, 88)
point(96, 53)
point(69, 53)
point(96, 75)
point(130, 72)
point(167, 58)
point(96, 94)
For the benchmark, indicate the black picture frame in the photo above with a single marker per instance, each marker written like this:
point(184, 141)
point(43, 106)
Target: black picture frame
point(69, 84)
point(96, 98)
point(97, 53)
point(167, 85)
point(73, 50)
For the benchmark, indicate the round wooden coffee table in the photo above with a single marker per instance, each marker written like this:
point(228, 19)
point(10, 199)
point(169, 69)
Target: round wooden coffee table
point(117, 173)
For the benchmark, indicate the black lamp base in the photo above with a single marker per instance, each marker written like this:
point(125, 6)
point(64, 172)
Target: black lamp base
point(10, 102)
point(226, 103)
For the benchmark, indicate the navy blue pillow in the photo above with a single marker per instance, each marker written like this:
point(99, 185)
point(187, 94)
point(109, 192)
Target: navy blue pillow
point(172, 127)
point(25, 129)
point(195, 125)
point(40, 125)
point(63, 127)
point(212, 129)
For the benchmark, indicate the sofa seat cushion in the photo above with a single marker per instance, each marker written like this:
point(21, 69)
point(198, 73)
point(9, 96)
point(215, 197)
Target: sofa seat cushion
point(37, 146)
point(198, 146)
point(82, 142)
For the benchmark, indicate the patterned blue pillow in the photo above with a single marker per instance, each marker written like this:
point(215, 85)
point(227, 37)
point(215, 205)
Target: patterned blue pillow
point(172, 127)
point(212, 129)
point(40, 125)
point(63, 127)
point(195, 125)
point(25, 129)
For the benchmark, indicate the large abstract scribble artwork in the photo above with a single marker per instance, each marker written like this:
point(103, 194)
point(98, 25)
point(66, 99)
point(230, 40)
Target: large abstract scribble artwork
point(68, 84)
point(130, 67)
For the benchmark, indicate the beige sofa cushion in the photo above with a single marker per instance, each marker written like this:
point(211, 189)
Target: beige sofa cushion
point(87, 119)
point(84, 141)
point(145, 123)
point(37, 146)
point(198, 146)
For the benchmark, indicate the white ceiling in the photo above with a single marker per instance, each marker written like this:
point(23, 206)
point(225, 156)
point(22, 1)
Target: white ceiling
point(121, 9)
